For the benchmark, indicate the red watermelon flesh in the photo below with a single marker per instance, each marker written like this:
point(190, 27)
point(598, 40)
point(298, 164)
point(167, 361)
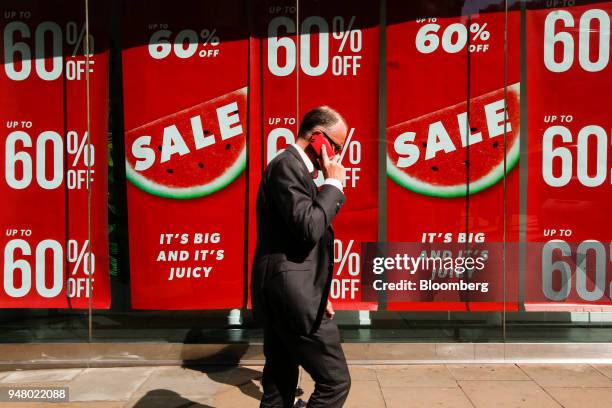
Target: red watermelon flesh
point(445, 174)
point(195, 171)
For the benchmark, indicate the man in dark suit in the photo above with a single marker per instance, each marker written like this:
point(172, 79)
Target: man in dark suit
point(293, 266)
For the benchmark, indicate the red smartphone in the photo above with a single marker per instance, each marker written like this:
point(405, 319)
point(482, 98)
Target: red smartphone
point(318, 141)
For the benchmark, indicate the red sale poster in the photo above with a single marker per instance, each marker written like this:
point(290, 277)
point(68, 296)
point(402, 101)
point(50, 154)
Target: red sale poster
point(54, 161)
point(453, 144)
point(569, 254)
point(334, 62)
point(185, 76)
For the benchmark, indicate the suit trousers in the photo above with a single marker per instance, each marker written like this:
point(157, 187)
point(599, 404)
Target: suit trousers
point(320, 354)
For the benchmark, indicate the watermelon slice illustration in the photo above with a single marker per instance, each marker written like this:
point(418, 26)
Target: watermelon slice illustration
point(429, 154)
point(191, 153)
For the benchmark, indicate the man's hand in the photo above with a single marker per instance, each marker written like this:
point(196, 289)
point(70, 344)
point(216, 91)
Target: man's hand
point(332, 167)
point(329, 310)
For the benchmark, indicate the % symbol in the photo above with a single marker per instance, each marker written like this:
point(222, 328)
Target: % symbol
point(81, 256)
point(346, 255)
point(353, 147)
point(346, 34)
point(79, 148)
point(479, 31)
point(209, 37)
point(75, 37)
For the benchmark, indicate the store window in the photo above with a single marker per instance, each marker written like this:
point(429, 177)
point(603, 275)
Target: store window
point(135, 134)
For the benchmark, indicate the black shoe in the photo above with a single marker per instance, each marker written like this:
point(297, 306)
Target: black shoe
point(300, 404)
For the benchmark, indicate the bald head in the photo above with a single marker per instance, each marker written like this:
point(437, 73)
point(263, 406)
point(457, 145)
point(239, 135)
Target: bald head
point(319, 117)
point(322, 120)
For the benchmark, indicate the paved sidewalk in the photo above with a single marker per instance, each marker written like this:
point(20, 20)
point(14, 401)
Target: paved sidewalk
point(390, 386)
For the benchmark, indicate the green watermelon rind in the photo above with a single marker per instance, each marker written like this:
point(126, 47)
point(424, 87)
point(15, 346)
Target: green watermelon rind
point(458, 190)
point(187, 193)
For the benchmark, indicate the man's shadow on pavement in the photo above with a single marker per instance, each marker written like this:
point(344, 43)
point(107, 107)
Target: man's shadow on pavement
point(221, 366)
point(162, 398)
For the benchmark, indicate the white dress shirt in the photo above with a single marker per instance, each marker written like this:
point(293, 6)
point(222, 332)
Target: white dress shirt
point(331, 181)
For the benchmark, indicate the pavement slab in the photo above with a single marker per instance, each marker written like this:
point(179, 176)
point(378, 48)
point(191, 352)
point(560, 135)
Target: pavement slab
point(373, 386)
point(424, 397)
point(486, 372)
point(429, 375)
point(566, 375)
point(582, 397)
point(108, 384)
point(40, 376)
point(507, 394)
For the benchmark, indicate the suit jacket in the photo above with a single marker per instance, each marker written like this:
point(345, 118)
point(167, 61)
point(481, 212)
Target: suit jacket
point(293, 265)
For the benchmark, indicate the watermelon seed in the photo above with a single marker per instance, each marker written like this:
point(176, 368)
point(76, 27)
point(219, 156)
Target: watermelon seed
point(207, 132)
point(170, 171)
point(434, 168)
point(473, 129)
point(227, 146)
point(201, 165)
point(159, 148)
point(466, 162)
point(235, 112)
point(424, 144)
point(495, 143)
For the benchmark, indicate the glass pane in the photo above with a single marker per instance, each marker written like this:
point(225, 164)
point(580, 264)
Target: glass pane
point(472, 126)
point(565, 174)
point(54, 114)
point(179, 90)
point(450, 146)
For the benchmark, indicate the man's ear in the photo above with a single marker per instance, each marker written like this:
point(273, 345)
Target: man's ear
point(310, 135)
